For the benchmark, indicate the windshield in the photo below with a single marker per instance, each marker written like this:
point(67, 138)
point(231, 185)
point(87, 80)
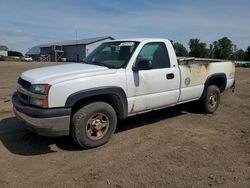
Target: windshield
point(112, 54)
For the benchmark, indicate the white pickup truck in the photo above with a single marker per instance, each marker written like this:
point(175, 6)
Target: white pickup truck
point(118, 79)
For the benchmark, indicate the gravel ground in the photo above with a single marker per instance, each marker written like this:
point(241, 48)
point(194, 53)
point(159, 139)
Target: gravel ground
point(174, 147)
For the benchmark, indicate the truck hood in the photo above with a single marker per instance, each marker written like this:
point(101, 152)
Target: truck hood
point(59, 73)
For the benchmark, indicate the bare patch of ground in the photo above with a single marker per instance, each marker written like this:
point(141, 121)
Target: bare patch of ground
point(174, 147)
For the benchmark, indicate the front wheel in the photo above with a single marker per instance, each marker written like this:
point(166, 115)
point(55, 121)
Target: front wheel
point(212, 99)
point(93, 124)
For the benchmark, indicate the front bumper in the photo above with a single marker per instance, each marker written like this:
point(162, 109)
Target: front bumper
point(45, 122)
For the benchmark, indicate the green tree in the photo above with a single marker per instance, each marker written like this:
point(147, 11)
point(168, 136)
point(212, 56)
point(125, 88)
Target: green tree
point(15, 53)
point(180, 50)
point(238, 55)
point(211, 52)
point(223, 48)
point(247, 54)
point(198, 49)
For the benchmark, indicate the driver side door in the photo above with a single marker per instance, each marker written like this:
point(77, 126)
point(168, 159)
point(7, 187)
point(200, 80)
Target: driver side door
point(157, 87)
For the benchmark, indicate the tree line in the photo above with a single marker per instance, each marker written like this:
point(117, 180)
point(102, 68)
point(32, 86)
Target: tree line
point(221, 49)
point(15, 53)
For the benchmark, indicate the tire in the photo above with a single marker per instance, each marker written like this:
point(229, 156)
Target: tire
point(93, 124)
point(212, 99)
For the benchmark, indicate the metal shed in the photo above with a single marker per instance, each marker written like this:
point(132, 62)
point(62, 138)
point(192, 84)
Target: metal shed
point(74, 50)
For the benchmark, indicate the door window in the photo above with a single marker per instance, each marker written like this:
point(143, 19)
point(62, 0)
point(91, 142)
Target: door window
point(157, 53)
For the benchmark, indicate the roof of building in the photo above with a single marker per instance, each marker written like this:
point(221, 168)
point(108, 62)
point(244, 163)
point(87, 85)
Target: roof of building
point(3, 48)
point(75, 42)
point(36, 49)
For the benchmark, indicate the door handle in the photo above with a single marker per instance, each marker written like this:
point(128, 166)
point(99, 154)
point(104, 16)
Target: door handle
point(170, 76)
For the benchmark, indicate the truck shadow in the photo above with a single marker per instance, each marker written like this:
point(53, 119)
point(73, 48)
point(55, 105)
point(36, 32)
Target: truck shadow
point(18, 140)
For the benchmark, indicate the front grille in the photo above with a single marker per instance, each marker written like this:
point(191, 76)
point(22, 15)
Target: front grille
point(23, 98)
point(25, 84)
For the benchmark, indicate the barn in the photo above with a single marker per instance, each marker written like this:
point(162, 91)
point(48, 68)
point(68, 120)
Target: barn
point(73, 51)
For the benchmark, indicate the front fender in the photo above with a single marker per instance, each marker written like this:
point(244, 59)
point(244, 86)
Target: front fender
point(115, 91)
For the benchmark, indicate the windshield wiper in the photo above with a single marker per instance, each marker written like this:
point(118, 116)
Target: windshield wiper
point(98, 63)
point(86, 62)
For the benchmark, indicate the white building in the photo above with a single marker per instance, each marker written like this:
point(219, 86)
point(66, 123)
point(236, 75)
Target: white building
point(3, 50)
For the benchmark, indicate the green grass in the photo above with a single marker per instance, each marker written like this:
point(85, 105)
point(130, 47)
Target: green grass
point(9, 58)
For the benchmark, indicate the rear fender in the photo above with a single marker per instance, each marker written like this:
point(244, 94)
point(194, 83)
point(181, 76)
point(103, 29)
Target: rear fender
point(218, 79)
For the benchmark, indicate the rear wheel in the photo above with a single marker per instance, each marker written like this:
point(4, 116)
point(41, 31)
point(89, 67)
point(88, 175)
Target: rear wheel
point(212, 99)
point(93, 124)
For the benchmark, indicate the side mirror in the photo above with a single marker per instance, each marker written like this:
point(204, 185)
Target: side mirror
point(144, 64)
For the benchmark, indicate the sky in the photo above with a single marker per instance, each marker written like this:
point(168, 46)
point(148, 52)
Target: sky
point(25, 23)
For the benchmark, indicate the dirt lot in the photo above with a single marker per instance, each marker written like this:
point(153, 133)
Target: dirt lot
point(175, 147)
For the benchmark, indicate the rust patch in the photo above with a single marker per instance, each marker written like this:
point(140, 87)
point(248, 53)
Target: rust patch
point(189, 68)
point(208, 67)
point(199, 72)
point(232, 69)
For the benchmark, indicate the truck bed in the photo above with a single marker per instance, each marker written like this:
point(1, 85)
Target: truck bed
point(195, 72)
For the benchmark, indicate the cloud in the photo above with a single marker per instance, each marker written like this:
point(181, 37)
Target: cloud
point(11, 33)
point(33, 22)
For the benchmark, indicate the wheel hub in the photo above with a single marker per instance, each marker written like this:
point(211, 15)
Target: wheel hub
point(213, 100)
point(97, 126)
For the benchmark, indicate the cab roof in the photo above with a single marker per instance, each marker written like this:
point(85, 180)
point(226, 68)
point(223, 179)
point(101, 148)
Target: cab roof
point(139, 39)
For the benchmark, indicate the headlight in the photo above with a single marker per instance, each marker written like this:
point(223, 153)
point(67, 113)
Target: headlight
point(41, 100)
point(40, 89)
